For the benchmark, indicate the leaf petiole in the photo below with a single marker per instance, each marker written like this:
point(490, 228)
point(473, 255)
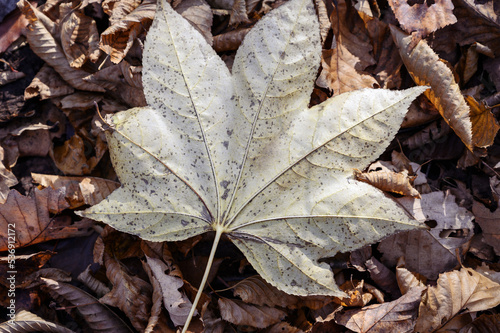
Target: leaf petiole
point(219, 230)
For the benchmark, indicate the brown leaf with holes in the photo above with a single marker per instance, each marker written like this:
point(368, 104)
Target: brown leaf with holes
point(130, 293)
point(484, 125)
point(397, 316)
point(427, 69)
point(78, 191)
point(420, 19)
point(117, 40)
point(456, 292)
point(79, 36)
point(240, 313)
point(28, 219)
point(345, 63)
point(44, 44)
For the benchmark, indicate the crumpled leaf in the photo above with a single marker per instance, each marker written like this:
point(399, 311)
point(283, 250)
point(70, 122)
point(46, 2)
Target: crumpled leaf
point(98, 316)
point(430, 252)
point(456, 292)
point(397, 316)
point(420, 19)
point(236, 143)
point(176, 302)
point(390, 181)
point(344, 64)
point(33, 224)
point(78, 191)
point(130, 294)
point(43, 43)
point(426, 68)
point(240, 313)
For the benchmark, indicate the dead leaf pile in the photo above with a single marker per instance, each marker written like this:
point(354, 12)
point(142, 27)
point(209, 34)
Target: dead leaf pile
point(443, 169)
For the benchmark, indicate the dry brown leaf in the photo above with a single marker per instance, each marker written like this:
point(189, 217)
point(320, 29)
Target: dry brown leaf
point(486, 323)
point(28, 269)
point(70, 158)
point(484, 125)
point(160, 251)
point(79, 36)
point(7, 178)
point(356, 294)
point(117, 40)
point(33, 224)
point(229, 41)
point(43, 43)
point(199, 14)
point(238, 13)
point(99, 288)
point(130, 293)
point(25, 321)
point(11, 28)
point(118, 9)
point(212, 323)
point(383, 277)
point(240, 313)
point(456, 292)
point(395, 316)
point(390, 181)
point(427, 69)
point(324, 21)
point(10, 76)
point(47, 84)
point(344, 64)
point(406, 279)
point(420, 19)
point(78, 191)
point(176, 302)
point(489, 223)
point(98, 316)
point(431, 252)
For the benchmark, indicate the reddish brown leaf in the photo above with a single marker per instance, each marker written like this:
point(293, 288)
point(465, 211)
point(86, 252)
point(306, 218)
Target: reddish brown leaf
point(229, 41)
point(484, 125)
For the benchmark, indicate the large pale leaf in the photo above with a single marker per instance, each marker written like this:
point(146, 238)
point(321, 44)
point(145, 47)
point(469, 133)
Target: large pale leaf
point(242, 154)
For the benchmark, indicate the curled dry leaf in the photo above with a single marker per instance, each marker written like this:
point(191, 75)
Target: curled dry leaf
point(117, 40)
point(78, 191)
point(488, 221)
point(79, 36)
point(229, 41)
point(70, 158)
point(430, 252)
point(98, 316)
point(396, 316)
point(199, 14)
point(43, 43)
point(176, 302)
point(47, 84)
point(32, 220)
point(484, 125)
point(426, 68)
point(420, 19)
point(406, 279)
point(240, 313)
point(456, 292)
point(390, 181)
point(130, 293)
point(344, 64)
point(25, 321)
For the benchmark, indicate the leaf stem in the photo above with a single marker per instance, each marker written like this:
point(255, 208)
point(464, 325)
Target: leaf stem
point(219, 230)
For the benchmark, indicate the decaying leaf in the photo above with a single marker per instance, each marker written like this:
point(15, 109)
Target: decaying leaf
point(431, 252)
point(396, 316)
point(426, 68)
point(246, 157)
point(240, 313)
point(78, 191)
point(98, 316)
point(420, 19)
point(130, 293)
point(33, 224)
point(456, 292)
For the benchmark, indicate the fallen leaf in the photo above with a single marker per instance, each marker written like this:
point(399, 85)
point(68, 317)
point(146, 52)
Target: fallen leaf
point(43, 43)
point(489, 223)
point(11, 29)
point(282, 327)
point(420, 19)
point(78, 191)
point(98, 288)
point(484, 125)
point(456, 292)
point(27, 219)
point(382, 276)
point(435, 132)
point(117, 9)
point(25, 321)
point(70, 158)
point(176, 302)
point(248, 218)
point(7, 178)
point(396, 316)
point(98, 316)
point(230, 40)
point(47, 84)
point(130, 294)
point(240, 313)
point(426, 68)
point(390, 181)
point(486, 323)
point(199, 14)
point(356, 294)
point(406, 279)
point(7, 77)
point(431, 252)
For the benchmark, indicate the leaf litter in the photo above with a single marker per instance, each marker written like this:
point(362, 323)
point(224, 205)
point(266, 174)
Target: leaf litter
point(434, 151)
